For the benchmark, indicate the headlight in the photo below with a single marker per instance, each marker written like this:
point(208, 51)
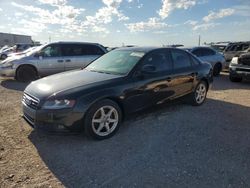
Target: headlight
point(58, 104)
point(235, 60)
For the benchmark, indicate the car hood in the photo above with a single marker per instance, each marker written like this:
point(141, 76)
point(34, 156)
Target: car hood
point(51, 85)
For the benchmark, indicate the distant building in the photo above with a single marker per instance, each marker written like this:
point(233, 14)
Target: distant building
point(11, 39)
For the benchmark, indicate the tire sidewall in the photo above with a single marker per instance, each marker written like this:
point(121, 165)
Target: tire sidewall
point(27, 69)
point(90, 113)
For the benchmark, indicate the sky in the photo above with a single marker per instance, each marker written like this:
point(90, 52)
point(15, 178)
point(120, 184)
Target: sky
point(128, 22)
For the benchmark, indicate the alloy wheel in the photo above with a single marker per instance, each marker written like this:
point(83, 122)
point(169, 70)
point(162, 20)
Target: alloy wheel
point(105, 120)
point(200, 93)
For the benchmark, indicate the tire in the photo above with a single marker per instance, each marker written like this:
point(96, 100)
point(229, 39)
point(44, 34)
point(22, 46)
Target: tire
point(4, 56)
point(26, 73)
point(198, 96)
point(235, 79)
point(217, 69)
point(102, 120)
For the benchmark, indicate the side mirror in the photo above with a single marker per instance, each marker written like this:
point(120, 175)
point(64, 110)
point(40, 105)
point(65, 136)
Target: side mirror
point(148, 69)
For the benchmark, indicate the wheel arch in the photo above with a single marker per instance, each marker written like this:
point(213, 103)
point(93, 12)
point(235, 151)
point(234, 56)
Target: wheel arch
point(29, 65)
point(206, 81)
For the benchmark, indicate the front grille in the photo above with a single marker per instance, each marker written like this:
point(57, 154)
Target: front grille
point(30, 120)
point(30, 101)
point(244, 61)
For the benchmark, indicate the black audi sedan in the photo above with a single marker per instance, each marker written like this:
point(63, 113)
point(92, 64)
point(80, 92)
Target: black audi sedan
point(122, 81)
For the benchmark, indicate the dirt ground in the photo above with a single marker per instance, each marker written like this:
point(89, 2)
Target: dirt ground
point(174, 145)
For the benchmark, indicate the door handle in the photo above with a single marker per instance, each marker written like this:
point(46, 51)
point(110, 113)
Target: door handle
point(67, 60)
point(60, 61)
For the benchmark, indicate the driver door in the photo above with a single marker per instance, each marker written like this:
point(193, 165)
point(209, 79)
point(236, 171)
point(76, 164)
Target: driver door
point(152, 88)
point(51, 60)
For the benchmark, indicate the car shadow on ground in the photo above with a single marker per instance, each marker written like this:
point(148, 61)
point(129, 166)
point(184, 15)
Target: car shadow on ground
point(13, 84)
point(174, 145)
point(220, 83)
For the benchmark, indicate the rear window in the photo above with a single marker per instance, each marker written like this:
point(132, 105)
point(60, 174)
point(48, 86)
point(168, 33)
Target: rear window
point(180, 58)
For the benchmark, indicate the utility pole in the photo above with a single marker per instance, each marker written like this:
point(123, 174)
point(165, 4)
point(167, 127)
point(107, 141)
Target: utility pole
point(199, 40)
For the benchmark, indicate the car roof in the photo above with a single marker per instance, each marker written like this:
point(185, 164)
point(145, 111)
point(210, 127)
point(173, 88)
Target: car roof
point(142, 49)
point(73, 42)
point(196, 47)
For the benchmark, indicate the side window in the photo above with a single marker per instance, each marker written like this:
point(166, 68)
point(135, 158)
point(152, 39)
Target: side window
point(91, 50)
point(181, 59)
point(198, 52)
point(72, 50)
point(161, 59)
point(208, 52)
point(52, 51)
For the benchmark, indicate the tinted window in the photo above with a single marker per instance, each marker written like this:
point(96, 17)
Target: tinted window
point(72, 50)
point(181, 59)
point(51, 51)
point(203, 52)
point(208, 52)
point(92, 50)
point(161, 59)
point(198, 52)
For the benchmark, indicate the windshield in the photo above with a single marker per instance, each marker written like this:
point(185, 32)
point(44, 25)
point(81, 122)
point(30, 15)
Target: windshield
point(36, 49)
point(116, 62)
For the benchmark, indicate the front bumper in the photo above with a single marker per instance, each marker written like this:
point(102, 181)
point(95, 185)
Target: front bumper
point(52, 120)
point(7, 71)
point(239, 70)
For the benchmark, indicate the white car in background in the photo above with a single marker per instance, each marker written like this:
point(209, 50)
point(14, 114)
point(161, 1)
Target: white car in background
point(4, 54)
point(23, 52)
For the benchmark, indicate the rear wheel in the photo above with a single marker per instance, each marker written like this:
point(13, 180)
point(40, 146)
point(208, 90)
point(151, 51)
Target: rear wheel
point(198, 97)
point(103, 120)
point(235, 79)
point(26, 73)
point(217, 69)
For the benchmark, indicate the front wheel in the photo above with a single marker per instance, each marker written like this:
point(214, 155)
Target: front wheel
point(103, 120)
point(198, 97)
point(26, 73)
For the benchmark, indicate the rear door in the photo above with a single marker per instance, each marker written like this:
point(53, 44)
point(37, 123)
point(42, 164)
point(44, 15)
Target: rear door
point(51, 60)
point(184, 74)
point(79, 55)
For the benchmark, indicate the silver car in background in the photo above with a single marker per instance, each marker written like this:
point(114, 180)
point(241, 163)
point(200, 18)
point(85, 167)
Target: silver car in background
point(207, 54)
point(51, 59)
